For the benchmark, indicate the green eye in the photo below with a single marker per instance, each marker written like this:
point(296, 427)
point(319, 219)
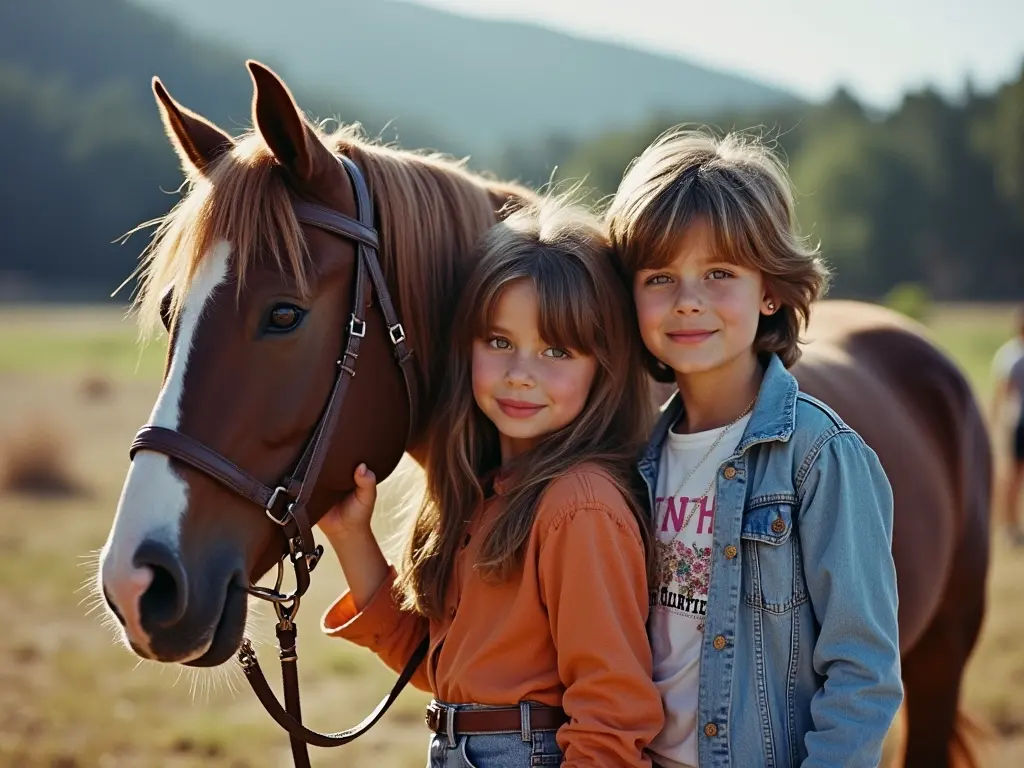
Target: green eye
point(284, 318)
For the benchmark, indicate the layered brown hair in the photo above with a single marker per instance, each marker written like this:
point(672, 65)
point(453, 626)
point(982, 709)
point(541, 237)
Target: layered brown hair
point(585, 306)
point(738, 185)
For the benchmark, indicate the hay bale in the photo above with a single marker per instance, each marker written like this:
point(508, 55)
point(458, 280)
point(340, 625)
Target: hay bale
point(34, 462)
point(95, 387)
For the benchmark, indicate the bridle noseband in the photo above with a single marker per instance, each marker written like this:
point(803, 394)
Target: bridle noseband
point(286, 503)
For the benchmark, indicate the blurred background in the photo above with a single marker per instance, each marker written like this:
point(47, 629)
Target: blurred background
point(902, 123)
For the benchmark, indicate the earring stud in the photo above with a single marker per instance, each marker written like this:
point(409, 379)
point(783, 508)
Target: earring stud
point(771, 305)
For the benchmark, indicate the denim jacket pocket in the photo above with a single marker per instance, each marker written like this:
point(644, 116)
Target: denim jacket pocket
point(773, 578)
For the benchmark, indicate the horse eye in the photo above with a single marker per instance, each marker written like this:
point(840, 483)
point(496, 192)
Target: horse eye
point(284, 317)
point(165, 309)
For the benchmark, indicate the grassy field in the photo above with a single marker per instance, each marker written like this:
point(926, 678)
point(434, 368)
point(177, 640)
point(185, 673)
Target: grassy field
point(74, 387)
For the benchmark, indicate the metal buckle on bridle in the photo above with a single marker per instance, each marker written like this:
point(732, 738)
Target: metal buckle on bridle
point(275, 497)
point(295, 553)
point(359, 331)
point(397, 333)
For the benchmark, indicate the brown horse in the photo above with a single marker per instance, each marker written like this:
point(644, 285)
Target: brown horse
point(915, 408)
point(257, 302)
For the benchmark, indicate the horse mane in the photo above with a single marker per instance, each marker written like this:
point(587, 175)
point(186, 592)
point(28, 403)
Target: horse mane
point(431, 211)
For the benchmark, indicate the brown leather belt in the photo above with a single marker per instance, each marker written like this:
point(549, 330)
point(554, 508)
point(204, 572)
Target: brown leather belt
point(527, 717)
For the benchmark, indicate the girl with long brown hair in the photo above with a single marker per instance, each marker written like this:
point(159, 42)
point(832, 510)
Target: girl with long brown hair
point(527, 564)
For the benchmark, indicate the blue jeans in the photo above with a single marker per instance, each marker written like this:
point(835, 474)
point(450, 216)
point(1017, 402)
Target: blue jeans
point(494, 750)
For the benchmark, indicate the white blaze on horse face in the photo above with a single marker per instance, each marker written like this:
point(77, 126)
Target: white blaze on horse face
point(154, 498)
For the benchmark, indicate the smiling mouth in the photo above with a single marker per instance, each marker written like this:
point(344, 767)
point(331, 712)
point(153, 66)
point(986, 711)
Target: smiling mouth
point(518, 409)
point(690, 337)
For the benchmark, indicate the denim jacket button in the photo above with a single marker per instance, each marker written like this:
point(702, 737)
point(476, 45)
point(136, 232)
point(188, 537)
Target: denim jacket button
point(730, 552)
point(778, 525)
point(710, 730)
point(719, 642)
point(729, 472)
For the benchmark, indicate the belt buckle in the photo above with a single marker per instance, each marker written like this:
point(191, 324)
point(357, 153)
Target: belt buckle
point(443, 717)
point(432, 716)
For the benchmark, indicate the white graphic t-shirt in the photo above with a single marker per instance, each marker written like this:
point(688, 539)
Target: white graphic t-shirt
point(684, 520)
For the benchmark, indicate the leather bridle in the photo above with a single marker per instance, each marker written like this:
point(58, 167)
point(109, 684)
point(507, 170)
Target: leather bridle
point(286, 503)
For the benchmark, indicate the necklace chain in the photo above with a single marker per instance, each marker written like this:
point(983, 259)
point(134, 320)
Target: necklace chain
point(690, 474)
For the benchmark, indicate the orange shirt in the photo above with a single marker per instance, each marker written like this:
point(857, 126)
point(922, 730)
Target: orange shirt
point(569, 631)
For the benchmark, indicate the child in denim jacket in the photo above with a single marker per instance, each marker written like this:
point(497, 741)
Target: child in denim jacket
point(773, 618)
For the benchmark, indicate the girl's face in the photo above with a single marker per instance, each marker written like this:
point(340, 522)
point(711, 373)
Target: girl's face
point(527, 387)
point(699, 313)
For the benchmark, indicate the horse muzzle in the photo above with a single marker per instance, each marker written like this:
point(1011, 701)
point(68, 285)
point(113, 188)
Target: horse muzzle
point(172, 613)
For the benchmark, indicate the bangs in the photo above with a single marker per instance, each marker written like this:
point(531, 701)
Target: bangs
point(698, 197)
point(567, 302)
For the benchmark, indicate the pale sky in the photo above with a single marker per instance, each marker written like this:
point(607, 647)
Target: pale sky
point(878, 48)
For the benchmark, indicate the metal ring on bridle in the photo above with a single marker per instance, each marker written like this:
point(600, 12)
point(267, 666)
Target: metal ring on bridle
point(271, 594)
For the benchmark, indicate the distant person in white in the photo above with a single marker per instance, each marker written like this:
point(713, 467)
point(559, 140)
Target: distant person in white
point(1008, 424)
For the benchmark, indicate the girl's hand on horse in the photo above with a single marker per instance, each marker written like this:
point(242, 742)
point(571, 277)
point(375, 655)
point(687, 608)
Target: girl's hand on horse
point(352, 513)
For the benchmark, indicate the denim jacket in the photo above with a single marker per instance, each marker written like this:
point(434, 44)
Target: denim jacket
point(802, 597)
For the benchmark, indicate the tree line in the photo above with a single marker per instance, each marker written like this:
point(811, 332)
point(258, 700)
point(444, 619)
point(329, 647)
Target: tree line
point(930, 194)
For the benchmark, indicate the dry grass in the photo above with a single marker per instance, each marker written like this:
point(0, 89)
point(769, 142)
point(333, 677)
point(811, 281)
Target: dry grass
point(71, 696)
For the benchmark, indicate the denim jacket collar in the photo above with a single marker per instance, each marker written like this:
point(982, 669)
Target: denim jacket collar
point(774, 416)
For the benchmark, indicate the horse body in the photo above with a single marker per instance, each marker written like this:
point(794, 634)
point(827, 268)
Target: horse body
point(916, 410)
point(253, 396)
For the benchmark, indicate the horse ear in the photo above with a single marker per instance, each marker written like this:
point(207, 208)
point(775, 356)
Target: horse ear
point(197, 141)
point(280, 122)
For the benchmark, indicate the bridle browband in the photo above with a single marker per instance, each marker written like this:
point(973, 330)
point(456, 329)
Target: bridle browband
point(286, 503)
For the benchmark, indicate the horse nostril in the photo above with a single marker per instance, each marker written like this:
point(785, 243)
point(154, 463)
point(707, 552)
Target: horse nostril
point(166, 598)
point(113, 607)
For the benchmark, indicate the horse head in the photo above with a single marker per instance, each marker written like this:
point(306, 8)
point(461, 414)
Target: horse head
point(264, 275)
